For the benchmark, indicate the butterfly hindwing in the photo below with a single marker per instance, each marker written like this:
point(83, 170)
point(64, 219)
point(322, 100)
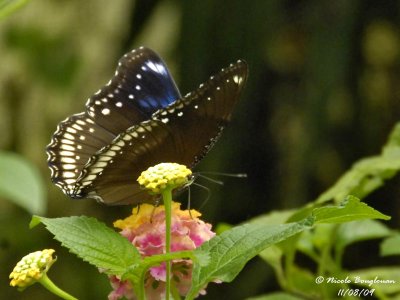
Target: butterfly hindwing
point(142, 85)
point(182, 132)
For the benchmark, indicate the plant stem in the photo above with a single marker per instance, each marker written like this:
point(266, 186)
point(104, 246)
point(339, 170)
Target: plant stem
point(49, 285)
point(167, 198)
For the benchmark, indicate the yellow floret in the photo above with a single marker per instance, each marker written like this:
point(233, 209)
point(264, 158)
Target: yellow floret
point(164, 175)
point(31, 268)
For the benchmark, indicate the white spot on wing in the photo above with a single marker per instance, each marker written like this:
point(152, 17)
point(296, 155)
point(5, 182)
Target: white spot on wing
point(70, 129)
point(100, 164)
point(67, 147)
point(65, 141)
point(237, 79)
point(127, 137)
point(90, 178)
point(67, 153)
point(120, 143)
point(69, 167)
point(67, 160)
point(80, 122)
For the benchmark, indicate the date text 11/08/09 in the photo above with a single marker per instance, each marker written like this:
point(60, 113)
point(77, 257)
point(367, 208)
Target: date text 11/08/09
point(355, 292)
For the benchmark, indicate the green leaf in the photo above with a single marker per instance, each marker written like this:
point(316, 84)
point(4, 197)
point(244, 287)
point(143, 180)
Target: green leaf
point(7, 7)
point(274, 217)
point(273, 254)
point(321, 235)
point(357, 231)
point(392, 147)
point(313, 242)
point(367, 174)
point(351, 209)
point(21, 183)
point(390, 246)
point(276, 296)
point(363, 178)
point(303, 281)
point(230, 251)
point(92, 241)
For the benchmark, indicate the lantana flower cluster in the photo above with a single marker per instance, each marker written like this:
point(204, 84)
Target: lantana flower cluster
point(31, 268)
point(163, 175)
point(145, 229)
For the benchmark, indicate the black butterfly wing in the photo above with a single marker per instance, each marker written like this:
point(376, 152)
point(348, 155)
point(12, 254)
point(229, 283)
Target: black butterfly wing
point(142, 85)
point(183, 132)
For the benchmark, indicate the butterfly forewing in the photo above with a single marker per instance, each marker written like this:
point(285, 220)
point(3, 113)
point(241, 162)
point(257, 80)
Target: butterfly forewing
point(182, 132)
point(142, 85)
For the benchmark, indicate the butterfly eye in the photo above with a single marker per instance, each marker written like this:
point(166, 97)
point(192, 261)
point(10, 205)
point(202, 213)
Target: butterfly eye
point(137, 120)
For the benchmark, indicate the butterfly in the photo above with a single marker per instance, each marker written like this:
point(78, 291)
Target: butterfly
point(137, 120)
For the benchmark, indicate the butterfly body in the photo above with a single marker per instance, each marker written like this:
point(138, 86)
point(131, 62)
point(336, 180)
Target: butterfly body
point(136, 121)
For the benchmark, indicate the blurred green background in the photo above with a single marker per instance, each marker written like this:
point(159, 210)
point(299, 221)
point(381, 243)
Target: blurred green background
point(323, 91)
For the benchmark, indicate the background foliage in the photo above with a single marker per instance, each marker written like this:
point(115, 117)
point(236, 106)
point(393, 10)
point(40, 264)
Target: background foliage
point(323, 91)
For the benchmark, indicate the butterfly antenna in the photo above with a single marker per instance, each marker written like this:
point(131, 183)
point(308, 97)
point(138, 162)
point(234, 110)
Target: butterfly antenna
point(208, 193)
point(190, 197)
point(236, 175)
point(220, 182)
